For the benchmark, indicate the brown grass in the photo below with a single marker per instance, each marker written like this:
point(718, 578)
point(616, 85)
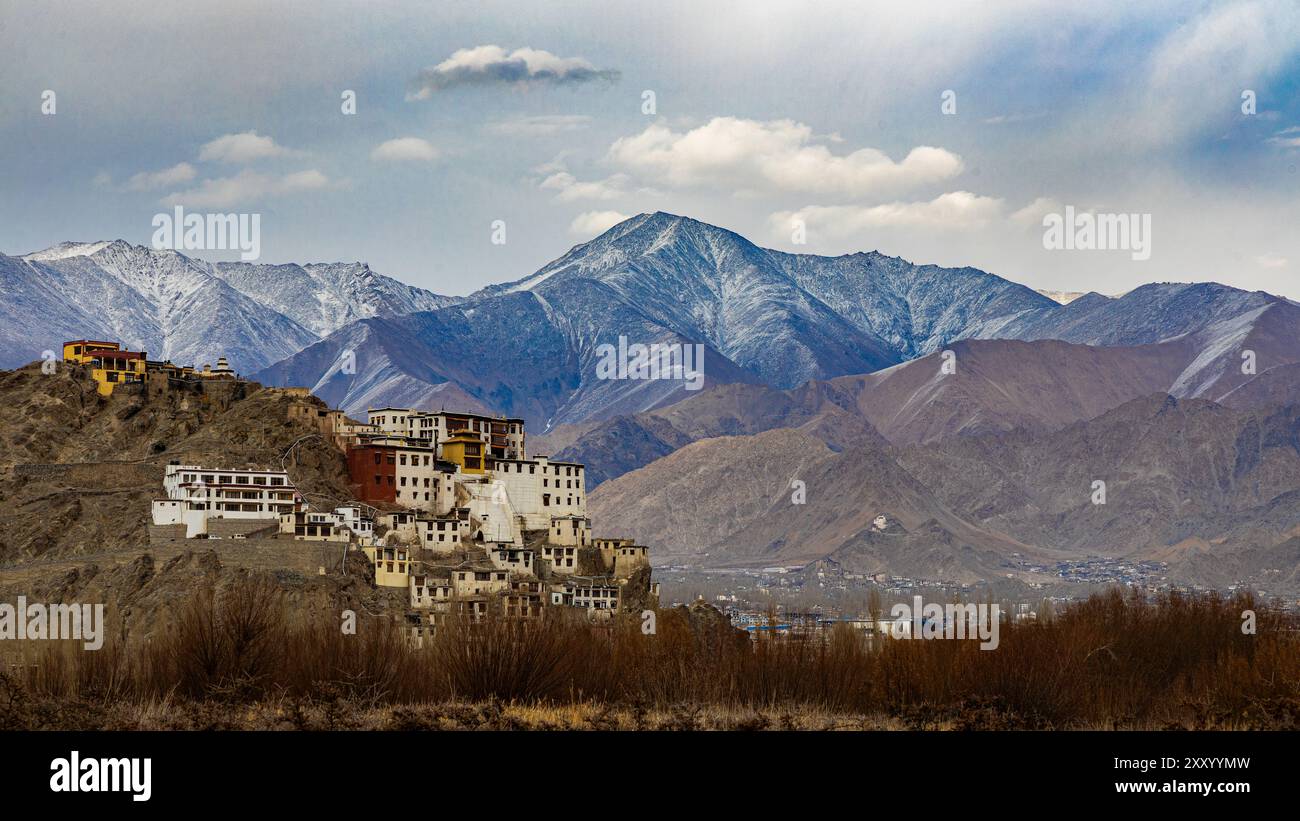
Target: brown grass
point(240, 658)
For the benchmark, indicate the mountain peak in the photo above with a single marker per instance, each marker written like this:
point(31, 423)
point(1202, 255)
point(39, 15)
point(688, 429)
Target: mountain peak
point(65, 250)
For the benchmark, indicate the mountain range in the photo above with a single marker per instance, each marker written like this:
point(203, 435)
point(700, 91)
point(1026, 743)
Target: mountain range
point(184, 309)
point(762, 317)
point(971, 411)
point(1210, 491)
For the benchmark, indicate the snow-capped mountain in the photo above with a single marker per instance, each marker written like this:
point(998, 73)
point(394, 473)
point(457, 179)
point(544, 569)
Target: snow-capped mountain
point(185, 309)
point(532, 347)
point(762, 316)
point(325, 296)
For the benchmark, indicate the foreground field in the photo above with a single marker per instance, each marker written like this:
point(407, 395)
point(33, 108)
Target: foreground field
point(236, 658)
point(306, 714)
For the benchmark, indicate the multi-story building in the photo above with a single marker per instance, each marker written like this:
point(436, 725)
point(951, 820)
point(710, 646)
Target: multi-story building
point(196, 495)
point(465, 451)
point(597, 594)
point(395, 470)
point(355, 519)
point(110, 364)
point(563, 559)
point(622, 557)
point(474, 580)
point(442, 534)
point(570, 530)
point(510, 557)
point(394, 564)
point(308, 526)
point(500, 437)
point(541, 490)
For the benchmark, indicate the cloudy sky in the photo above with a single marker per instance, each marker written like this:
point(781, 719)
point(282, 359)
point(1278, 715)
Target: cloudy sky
point(941, 132)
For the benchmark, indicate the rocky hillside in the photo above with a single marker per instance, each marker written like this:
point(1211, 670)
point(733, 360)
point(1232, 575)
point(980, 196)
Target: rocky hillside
point(1212, 491)
point(78, 471)
point(997, 386)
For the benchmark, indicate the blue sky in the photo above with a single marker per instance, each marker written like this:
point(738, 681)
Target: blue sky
point(765, 113)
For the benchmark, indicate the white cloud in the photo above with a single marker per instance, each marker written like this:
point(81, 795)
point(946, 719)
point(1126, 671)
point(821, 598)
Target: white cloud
point(1271, 261)
point(1287, 137)
point(959, 210)
point(246, 186)
point(779, 155)
point(1012, 119)
point(570, 188)
point(405, 149)
point(149, 180)
point(544, 125)
point(491, 65)
point(1032, 214)
point(591, 223)
point(241, 148)
point(1197, 74)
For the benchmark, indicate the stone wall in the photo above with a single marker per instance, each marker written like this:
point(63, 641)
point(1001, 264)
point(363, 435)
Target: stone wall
point(100, 475)
point(229, 528)
point(260, 554)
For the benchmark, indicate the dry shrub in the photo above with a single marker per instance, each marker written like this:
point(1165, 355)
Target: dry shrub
point(1112, 660)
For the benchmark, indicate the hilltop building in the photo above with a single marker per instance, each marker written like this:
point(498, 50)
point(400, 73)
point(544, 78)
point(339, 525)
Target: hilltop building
point(449, 509)
point(482, 526)
point(111, 365)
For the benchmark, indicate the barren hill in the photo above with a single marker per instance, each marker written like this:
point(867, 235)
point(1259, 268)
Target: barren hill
point(78, 471)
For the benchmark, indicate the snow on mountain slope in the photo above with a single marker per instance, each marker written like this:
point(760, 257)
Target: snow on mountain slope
point(781, 319)
point(185, 309)
point(324, 297)
point(66, 249)
point(162, 302)
point(531, 347)
point(715, 287)
point(511, 353)
point(35, 316)
point(917, 309)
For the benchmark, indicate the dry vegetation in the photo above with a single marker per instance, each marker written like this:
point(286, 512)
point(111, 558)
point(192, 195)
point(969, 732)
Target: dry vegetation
point(239, 659)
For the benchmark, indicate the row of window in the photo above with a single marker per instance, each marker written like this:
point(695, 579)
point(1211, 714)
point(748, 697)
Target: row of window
point(211, 479)
point(569, 470)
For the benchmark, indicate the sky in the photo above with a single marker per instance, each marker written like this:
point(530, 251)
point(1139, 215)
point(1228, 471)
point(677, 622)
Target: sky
point(490, 137)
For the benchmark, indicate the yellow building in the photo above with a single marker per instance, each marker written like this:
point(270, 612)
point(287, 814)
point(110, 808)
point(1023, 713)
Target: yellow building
point(466, 450)
point(393, 564)
point(109, 364)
